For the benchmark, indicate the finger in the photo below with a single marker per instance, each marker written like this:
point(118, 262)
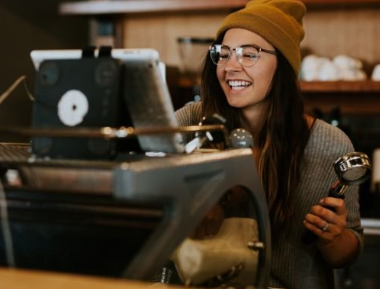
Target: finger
point(316, 221)
point(331, 216)
point(325, 235)
point(324, 213)
point(313, 228)
point(339, 205)
point(337, 215)
point(326, 227)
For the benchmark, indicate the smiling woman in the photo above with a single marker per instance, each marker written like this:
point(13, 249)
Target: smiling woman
point(250, 77)
point(237, 76)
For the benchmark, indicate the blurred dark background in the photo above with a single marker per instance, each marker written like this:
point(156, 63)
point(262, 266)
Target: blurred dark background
point(25, 26)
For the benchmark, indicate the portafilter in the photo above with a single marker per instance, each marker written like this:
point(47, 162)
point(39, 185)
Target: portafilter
point(352, 169)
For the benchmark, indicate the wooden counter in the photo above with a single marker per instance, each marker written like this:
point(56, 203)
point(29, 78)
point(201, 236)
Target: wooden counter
point(21, 279)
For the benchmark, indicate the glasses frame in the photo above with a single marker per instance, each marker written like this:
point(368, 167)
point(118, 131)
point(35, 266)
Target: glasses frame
point(231, 50)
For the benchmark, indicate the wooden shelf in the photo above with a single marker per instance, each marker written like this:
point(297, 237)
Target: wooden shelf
point(340, 2)
point(99, 7)
point(144, 6)
point(367, 86)
point(352, 97)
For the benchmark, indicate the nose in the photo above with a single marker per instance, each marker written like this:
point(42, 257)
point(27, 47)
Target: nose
point(233, 64)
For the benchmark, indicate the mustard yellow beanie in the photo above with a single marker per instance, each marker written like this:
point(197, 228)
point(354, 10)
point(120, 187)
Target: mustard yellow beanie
point(277, 21)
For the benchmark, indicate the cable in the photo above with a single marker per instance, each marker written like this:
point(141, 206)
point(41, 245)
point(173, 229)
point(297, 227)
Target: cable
point(14, 86)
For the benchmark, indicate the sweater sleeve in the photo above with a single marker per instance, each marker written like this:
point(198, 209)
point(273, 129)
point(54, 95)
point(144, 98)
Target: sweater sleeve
point(190, 114)
point(291, 259)
point(339, 145)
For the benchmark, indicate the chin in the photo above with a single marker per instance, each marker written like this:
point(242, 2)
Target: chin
point(236, 104)
point(236, 100)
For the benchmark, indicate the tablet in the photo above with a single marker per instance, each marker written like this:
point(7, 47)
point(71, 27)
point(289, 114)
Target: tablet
point(144, 90)
point(148, 100)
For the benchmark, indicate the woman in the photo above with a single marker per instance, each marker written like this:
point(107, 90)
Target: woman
point(250, 78)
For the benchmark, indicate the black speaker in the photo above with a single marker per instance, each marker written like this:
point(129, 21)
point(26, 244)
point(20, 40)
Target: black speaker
point(79, 93)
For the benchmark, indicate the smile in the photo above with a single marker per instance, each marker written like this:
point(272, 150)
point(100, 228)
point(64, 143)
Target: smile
point(238, 84)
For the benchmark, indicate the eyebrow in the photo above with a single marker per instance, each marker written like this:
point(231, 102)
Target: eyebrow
point(253, 45)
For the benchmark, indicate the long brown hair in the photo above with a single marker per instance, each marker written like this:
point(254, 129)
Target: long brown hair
point(282, 139)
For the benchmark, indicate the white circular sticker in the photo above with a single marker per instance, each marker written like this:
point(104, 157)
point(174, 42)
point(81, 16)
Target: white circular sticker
point(72, 107)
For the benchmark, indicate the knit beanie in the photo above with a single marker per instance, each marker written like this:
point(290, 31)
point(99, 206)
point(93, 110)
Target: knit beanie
point(277, 21)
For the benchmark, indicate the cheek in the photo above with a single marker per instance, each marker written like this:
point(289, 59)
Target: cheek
point(266, 78)
point(263, 89)
point(266, 83)
point(220, 74)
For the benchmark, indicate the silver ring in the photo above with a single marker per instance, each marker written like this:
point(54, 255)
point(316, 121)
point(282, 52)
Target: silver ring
point(324, 229)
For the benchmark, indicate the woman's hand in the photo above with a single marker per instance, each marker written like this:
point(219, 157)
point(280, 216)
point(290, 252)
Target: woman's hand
point(328, 220)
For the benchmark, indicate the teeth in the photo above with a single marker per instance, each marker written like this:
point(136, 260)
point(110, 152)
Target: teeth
point(239, 84)
point(237, 87)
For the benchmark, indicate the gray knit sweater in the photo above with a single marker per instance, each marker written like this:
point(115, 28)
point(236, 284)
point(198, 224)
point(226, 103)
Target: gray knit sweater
point(295, 265)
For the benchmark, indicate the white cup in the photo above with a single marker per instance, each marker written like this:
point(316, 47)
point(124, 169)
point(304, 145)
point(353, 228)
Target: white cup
point(376, 73)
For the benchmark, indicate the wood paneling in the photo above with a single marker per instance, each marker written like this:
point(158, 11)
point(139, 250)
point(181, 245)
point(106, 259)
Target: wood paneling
point(161, 31)
point(355, 33)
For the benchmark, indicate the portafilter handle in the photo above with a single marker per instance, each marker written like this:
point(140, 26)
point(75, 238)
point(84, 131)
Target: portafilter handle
point(352, 169)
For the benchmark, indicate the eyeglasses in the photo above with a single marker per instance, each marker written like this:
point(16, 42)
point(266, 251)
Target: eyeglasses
point(246, 55)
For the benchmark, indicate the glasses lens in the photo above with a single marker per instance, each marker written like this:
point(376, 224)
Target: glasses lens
point(219, 54)
point(247, 55)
